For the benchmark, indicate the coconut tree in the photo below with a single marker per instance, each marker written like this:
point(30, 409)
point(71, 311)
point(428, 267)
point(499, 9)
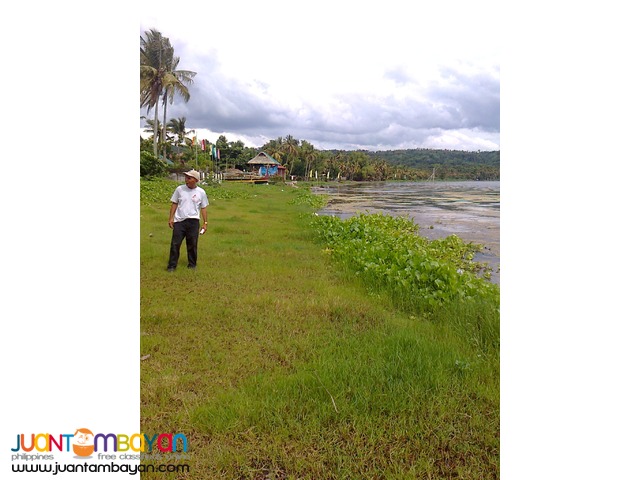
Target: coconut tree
point(309, 154)
point(339, 159)
point(178, 128)
point(154, 51)
point(151, 128)
point(175, 81)
point(274, 148)
point(159, 77)
point(290, 147)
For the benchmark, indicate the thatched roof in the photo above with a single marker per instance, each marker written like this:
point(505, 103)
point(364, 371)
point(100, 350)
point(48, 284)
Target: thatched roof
point(263, 159)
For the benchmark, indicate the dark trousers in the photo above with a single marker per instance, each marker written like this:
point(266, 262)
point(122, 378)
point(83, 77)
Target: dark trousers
point(188, 229)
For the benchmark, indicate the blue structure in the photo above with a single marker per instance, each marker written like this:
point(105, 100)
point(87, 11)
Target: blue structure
point(268, 166)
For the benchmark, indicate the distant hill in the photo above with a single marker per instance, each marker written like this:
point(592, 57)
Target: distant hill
point(448, 164)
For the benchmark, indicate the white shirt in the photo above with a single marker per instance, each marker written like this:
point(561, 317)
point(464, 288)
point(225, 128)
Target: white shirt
point(190, 201)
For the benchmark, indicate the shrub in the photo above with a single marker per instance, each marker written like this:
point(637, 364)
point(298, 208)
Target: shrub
point(150, 166)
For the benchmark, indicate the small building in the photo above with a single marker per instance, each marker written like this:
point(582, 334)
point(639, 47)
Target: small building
point(266, 165)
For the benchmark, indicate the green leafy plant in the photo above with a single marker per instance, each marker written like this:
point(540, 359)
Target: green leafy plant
point(305, 197)
point(386, 252)
point(150, 166)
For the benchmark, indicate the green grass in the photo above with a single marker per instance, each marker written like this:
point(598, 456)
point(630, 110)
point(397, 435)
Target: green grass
point(277, 363)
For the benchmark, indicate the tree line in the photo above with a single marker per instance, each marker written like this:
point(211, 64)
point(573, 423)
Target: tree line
point(448, 164)
point(304, 162)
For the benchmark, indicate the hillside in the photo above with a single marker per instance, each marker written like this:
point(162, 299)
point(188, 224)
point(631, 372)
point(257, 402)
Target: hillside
point(448, 163)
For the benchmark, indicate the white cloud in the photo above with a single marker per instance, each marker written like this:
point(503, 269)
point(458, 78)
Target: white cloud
point(341, 73)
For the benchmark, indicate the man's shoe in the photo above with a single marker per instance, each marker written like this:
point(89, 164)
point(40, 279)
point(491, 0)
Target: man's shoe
point(171, 269)
point(191, 267)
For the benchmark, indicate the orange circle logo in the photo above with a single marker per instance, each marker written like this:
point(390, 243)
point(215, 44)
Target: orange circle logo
point(83, 442)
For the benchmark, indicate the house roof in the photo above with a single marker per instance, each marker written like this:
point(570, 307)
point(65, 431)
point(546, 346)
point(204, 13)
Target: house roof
point(263, 159)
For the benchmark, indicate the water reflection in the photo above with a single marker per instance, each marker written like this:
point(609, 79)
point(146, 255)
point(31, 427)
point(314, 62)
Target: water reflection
point(468, 209)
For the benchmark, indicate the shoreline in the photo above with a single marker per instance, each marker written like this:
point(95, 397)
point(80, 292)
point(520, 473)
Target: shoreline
point(435, 223)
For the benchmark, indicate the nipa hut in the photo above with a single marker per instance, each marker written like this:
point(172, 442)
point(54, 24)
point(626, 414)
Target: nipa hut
point(266, 165)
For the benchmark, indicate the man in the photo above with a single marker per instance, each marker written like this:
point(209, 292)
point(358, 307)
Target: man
point(187, 202)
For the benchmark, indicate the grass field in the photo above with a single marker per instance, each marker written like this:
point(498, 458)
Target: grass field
point(277, 363)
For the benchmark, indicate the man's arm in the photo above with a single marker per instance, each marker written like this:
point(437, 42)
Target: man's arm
point(172, 212)
point(203, 211)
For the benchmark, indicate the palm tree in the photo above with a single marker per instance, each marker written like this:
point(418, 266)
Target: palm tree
point(159, 78)
point(308, 152)
point(178, 128)
point(151, 128)
point(274, 148)
point(290, 147)
point(152, 71)
point(175, 81)
point(338, 158)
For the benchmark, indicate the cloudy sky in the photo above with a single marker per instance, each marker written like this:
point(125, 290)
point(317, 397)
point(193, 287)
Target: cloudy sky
point(339, 74)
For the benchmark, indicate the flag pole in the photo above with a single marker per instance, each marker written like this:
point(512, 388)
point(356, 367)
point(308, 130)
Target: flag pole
point(195, 149)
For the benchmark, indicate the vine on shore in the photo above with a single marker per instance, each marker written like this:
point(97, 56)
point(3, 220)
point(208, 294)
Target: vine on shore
point(387, 252)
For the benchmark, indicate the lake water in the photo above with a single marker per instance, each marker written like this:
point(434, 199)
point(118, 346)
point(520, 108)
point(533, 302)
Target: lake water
point(468, 209)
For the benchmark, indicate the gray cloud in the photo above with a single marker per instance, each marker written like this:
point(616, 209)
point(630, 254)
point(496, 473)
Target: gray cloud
point(461, 108)
point(474, 99)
